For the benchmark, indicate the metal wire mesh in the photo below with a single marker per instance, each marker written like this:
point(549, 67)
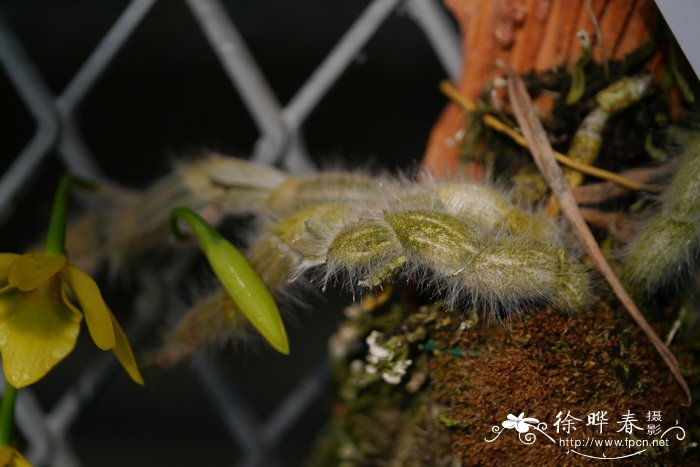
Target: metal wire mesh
point(281, 142)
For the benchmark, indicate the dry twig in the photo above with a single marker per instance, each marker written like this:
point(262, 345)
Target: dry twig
point(618, 224)
point(596, 193)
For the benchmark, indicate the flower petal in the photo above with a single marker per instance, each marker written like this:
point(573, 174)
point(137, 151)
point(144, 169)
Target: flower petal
point(38, 333)
point(522, 427)
point(7, 303)
point(509, 424)
point(6, 455)
point(11, 457)
point(30, 270)
point(6, 262)
point(124, 353)
point(97, 314)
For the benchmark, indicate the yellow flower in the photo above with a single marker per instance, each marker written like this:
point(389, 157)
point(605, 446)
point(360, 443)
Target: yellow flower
point(10, 457)
point(39, 322)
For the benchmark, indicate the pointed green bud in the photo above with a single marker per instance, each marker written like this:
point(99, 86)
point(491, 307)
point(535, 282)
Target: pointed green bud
point(244, 285)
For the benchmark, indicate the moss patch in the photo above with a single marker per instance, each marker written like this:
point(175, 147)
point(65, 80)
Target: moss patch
point(547, 363)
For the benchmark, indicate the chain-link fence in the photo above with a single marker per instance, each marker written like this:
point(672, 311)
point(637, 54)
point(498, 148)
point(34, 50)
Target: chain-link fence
point(45, 422)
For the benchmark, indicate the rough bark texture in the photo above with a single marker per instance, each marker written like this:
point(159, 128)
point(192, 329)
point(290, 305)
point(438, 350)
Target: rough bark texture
point(530, 35)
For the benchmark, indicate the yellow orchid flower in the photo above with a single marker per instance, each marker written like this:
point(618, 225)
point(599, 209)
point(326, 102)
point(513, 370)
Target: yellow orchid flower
point(39, 321)
point(10, 457)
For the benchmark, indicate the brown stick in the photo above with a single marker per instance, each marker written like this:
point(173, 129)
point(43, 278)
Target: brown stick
point(544, 159)
point(596, 193)
point(618, 224)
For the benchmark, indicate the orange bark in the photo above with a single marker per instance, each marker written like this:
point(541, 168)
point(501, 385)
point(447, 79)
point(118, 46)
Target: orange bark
point(527, 35)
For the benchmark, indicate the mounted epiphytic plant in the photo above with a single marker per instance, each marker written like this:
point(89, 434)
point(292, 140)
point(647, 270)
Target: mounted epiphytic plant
point(465, 243)
point(363, 231)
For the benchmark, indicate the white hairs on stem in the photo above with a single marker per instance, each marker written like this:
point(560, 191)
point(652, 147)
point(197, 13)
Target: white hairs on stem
point(667, 248)
point(467, 242)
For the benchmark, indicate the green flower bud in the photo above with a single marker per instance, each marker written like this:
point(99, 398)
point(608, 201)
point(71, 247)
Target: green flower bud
point(240, 280)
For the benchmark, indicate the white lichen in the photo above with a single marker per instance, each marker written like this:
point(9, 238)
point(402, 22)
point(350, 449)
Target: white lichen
point(388, 358)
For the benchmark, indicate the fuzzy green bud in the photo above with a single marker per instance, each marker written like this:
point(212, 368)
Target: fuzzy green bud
point(489, 210)
point(368, 249)
point(299, 192)
point(667, 247)
point(293, 239)
point(437, 240)
point(656, 256)
point(682, 197)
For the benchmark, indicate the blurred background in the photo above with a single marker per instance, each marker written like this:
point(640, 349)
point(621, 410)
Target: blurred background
point(165, 96)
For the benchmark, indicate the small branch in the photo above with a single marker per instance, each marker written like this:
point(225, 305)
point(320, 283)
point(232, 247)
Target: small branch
point(544, 158)
point(596, 193)
point(619, 224)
